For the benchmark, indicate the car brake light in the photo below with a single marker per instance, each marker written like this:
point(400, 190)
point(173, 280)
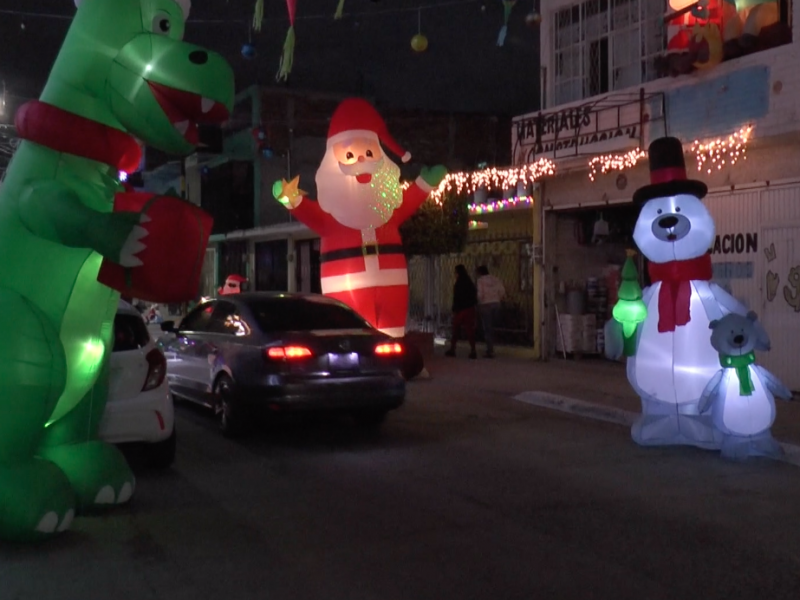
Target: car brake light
point(156, 370)
point(385, 349)
point(288, 352)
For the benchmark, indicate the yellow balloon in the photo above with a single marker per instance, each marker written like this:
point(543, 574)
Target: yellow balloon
point(419, 43)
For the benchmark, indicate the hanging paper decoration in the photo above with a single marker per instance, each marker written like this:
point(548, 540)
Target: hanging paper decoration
point(533, 19)
point(57, 318)
point(629, 310)
point(360, 207)
point(419, 43)
point(258, 15)
point(676, 356)
point(339, 10)
point(287, 58)
point(249, 49)
point(508, 5)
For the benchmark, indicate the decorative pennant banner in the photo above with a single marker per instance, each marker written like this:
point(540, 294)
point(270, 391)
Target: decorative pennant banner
point(288, 46)
point(339, 10)
point(258, 15)
point(508, 5)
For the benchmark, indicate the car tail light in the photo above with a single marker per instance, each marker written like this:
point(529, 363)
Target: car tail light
point(288, 352)
point(388, 349)
point(156, 369)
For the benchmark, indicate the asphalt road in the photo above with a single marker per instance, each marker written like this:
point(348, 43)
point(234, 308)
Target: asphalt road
point(465, 494)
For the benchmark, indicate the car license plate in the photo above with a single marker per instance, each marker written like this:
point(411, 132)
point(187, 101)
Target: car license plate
point(343, 362)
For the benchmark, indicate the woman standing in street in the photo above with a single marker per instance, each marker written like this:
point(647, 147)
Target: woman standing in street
point(490, 294)
point(465, 299)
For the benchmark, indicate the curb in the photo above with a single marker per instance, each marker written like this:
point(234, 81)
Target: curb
point(618, 416)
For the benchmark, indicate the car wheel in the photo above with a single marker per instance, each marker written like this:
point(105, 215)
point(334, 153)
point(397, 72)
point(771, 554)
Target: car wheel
point(371, 419)
point(230, 423)
point(161, 455)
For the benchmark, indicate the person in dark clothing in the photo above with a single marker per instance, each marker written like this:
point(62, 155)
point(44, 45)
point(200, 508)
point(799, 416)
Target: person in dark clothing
point(465, 299)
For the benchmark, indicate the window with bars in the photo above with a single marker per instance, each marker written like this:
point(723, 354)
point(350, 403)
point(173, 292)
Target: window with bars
point(606, 45)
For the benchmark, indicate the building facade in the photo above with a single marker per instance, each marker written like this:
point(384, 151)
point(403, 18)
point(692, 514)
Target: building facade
point(612, 81)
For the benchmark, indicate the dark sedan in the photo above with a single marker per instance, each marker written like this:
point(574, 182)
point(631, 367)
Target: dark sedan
point(264, 352)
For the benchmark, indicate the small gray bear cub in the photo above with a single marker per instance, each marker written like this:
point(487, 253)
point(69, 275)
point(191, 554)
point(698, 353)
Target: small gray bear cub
point(741, 395)
point(737, 335)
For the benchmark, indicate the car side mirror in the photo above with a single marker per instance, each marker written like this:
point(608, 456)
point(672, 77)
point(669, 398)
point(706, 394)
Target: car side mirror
point(168, 327)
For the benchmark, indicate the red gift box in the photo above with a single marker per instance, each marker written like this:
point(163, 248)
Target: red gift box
point(172, 260)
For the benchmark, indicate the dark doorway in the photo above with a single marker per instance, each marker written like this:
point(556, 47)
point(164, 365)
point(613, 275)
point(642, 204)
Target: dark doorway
point(227, 194)
point(272, 267)
point(307, 266)
point(232, 260)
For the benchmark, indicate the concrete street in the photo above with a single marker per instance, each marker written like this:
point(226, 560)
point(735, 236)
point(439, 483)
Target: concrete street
point(465, 494)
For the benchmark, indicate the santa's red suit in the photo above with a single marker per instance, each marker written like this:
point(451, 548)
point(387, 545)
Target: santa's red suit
point(364, 268)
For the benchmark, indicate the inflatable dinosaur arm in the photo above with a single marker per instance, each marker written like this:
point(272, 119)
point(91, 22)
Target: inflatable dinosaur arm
point(53, 212)
point(773, 384)
point(711, 392)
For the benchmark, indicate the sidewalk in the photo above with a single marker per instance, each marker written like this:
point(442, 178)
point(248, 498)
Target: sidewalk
point(590, 380)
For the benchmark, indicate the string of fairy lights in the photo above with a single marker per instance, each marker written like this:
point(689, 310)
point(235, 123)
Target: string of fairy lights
point(492, 177)
point(722, 151)
point(614, 162)
point(719, 152)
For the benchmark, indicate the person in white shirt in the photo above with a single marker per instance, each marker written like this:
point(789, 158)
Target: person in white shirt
point(490, 293)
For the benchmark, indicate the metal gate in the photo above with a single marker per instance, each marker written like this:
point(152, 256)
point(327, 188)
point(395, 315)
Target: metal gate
point(431, 281)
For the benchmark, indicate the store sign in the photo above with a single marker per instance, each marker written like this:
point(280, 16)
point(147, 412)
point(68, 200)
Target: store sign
point(583, 130)
point(735, 243)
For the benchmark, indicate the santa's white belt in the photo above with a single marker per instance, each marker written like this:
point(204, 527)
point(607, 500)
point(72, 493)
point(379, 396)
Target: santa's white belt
point(372, 276)
point(363, 250)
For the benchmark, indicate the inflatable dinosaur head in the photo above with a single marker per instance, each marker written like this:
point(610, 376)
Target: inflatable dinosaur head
point(124, 63)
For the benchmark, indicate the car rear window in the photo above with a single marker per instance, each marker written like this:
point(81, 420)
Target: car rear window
point(297, 314)
point(130, 333)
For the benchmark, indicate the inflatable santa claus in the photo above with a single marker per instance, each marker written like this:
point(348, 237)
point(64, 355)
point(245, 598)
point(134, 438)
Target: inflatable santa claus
point(233, 285)
point(360, 207)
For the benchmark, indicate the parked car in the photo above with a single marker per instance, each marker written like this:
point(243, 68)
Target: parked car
point(254, 353)
point(139, 408)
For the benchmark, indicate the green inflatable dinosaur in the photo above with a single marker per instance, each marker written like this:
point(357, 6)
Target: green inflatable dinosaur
point(123, 71)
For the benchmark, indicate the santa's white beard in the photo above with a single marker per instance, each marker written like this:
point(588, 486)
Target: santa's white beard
point(359, 205)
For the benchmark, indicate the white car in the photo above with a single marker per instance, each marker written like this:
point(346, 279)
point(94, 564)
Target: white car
point(139, 408)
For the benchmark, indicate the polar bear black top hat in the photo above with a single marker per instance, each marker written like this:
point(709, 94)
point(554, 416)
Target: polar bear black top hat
point(668, 173)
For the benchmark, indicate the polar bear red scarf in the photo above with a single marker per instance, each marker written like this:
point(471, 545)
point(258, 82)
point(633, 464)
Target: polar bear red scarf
point(674, 297)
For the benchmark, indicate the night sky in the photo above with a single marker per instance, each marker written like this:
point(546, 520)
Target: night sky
point(367, 52)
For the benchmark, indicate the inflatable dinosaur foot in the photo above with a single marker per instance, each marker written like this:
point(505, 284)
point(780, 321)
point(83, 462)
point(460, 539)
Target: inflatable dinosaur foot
point(98, 472)
point(36, 501)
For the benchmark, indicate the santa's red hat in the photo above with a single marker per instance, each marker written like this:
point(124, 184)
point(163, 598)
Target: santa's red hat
point(236, 278)
point(357, 117)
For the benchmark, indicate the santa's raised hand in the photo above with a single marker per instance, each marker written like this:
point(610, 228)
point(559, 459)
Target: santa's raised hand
point(288, 193)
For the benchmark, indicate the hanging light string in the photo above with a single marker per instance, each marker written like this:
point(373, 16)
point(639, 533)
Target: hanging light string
point(249, 19)
point(615, 162)
point(722, 151)
point(492, 177)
